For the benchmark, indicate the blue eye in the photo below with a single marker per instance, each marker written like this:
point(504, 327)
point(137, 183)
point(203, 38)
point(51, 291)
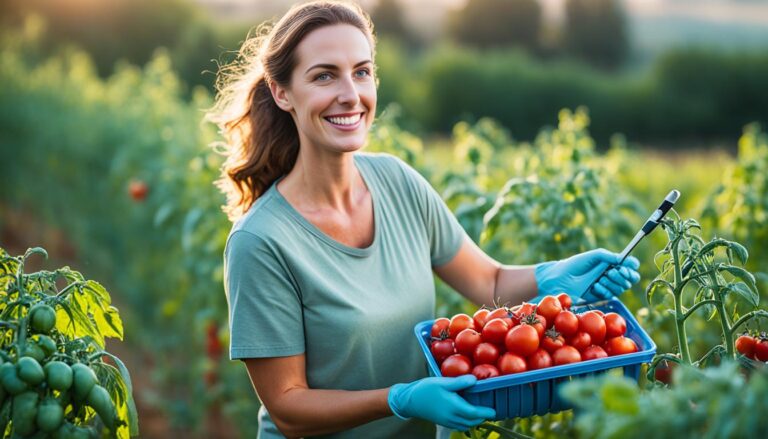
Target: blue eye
point(323, 77)
point(365, 72)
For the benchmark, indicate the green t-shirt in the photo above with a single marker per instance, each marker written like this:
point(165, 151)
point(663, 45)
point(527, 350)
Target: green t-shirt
point(292, 289)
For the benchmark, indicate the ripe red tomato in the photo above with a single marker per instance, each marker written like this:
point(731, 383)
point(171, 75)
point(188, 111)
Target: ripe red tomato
point(663, 372)
point(501, 313)
point(620, 345)
point(538, 322)
point(483, 371)
point(567, 323)
point(456, 365)
point(565, 300)
point(480, 317)
point(761, 350)
point(598, 312)
point(549, 308)
point(460, 322)
point(565, 355)
point(615, 325)
point(552, 341)
point(442, 349)
point(511, 363)
point(520, 311)
point(593, 353)
point(522, 340)
point(580, 341)
point(495, 331)
point(440, 328)
point(486, 353)
point(745, 344)
point(593, 324)
point(467, 341)
point(539, 360)
point(138, 190)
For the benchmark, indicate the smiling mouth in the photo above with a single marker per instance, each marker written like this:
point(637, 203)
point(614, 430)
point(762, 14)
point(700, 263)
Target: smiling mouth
point(344, 121)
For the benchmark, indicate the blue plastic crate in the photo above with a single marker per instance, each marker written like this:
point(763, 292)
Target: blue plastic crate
point(536, 392)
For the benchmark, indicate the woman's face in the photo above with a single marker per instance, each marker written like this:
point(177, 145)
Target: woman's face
point(332, 94)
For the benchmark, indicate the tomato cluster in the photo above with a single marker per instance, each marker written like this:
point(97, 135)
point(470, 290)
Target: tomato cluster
point(504, 341)
point(755, 348)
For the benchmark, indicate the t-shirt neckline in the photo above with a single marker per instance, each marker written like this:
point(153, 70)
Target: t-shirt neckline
point(299, 218)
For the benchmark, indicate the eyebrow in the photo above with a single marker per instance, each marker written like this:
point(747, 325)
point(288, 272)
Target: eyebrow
point(334, 67)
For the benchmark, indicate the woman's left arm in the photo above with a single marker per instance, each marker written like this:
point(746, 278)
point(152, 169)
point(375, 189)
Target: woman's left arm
point(485, 281)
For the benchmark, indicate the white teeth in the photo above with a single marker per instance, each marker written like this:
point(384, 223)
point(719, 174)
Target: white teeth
point(351, 120)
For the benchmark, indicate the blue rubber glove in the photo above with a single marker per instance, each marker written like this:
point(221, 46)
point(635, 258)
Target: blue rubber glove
point(573, 275)
point(435, 399)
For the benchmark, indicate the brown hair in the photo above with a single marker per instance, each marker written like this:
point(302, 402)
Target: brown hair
point(261, 141)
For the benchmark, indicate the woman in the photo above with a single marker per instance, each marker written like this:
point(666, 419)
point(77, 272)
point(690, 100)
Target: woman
point(329, 263)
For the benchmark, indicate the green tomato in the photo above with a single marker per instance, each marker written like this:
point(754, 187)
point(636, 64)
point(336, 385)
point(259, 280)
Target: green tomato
point(99, 399)
point(58, 375)
point(83, 380)
point(50, 415)
point(69, 431)
point(42, 318)
point(24, 413)
point(30, 371)
point(9, 378)
point(33, 350)
point(47, 345)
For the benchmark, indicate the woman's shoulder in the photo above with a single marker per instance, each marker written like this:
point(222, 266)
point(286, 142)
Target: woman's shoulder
point(260, 225)
point(384, 164)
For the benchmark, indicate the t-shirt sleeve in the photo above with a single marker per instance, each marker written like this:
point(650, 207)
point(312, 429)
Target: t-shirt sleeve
point(443, 229)
point(265, 312)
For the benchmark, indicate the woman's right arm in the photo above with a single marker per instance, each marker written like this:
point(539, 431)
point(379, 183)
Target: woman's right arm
point(300, 411)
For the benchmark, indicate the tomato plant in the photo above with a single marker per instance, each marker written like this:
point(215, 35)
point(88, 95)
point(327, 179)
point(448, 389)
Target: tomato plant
point(54, 376)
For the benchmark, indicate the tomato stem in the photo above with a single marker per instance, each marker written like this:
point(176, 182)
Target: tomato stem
point(682, 338)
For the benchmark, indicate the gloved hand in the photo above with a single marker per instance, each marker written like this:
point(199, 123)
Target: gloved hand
point(435, 399)
point(573, 275)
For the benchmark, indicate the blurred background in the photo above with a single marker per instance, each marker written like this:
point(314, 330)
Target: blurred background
point(106, 161)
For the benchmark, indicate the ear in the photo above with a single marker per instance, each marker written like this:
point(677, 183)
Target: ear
point(281, 96)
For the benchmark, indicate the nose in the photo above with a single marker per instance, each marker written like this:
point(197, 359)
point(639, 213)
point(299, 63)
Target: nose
point(348, 93)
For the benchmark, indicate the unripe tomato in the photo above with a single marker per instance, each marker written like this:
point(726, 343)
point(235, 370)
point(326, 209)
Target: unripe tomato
point(467, 341)
point(549, 308)
point(511, 363)
point(83, 380)
point(745, 344)
point(456, 365)
point(42, 318)
point(486, 353)
point(566, 323)
point(615, 325)
point(58, 375)
point(9, 378)
point(522, 340)
point(50, 415)
point(460, 322)
point(483, 371)
point(24, 413)
point(495, 331)
point(30, 371)
point(98, 398)
point(566, 355)
point(46, 344)
point(440, 328)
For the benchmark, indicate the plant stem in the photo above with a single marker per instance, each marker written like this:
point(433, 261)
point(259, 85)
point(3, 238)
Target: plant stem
point(725, 323)
point(750, 315)
point(682, 338)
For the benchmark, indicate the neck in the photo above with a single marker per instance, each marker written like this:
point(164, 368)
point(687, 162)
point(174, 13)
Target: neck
point(320, 181)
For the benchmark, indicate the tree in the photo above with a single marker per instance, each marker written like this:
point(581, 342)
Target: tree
point(387, 18)
point(497, 23)
point(596, 31)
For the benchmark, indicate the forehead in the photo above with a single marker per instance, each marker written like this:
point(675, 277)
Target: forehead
point(337, 44)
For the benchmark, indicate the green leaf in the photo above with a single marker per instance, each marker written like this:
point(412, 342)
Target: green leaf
point(742, 274)
point(742, 290)
point(108, 321)
point(188, 228)
point(656, 284)
point(133, 417)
